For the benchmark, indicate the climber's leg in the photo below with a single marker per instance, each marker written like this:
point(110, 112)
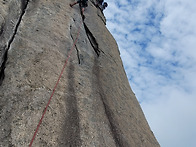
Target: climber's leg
point(71, 5)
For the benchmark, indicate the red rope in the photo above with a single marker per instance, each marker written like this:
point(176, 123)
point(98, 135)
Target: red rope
point(69, 54)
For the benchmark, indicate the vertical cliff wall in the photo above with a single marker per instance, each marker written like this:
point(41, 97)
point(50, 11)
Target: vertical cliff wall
point(93, 104)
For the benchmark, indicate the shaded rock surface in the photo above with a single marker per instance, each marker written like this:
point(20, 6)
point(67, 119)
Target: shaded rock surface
point(93, 104)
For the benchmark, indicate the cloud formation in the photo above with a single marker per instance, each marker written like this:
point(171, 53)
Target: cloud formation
point(157, 41)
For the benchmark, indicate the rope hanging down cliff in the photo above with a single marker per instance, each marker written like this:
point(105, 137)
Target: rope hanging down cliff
point(44, 112)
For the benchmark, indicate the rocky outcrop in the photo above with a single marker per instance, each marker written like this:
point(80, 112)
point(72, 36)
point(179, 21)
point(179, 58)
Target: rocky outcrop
point(93, 104)
point(11, 13)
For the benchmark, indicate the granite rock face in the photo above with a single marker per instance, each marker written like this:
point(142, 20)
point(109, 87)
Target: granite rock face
point(93, 104)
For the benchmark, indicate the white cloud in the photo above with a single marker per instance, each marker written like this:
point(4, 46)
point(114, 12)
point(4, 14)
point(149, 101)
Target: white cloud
point(157, 41)
point(174, 120)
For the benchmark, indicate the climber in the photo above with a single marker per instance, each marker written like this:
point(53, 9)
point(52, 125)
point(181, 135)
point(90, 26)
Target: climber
point(103, 6)
point(99, 3)
point(83, 4)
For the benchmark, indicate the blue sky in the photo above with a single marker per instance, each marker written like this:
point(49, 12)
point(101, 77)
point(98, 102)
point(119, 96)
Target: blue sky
point(157, 41)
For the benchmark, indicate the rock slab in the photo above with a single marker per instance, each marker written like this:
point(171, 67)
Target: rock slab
point(93, 104)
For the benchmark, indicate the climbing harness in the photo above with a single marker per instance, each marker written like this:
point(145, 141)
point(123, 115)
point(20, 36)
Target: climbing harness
point(69, 54)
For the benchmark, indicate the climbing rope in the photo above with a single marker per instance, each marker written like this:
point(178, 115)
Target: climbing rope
point(69, 54)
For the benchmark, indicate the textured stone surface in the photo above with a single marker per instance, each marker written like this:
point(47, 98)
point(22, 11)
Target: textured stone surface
point(10, 12)
point(93, 104)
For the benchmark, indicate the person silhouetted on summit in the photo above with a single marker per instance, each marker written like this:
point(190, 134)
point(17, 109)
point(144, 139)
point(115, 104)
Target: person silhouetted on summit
point(83, 4)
